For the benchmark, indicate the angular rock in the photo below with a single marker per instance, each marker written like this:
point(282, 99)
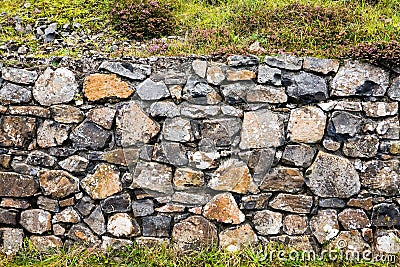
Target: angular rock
point(294, 224)
point(269, 75)
point(283, 179)
point(74, 163)
point(267, 94)
point(223, 208)
point(177, 130)
point(16, 185)
point(58, 184)
point(320, 65)
point(255, 202)
point(394, 90)
point(164, 109)
point(307, 125)
point(55, 87)
point(260, 161)
point(85, 206)
point(233, 239)
point(29, 111)
point(284, 61)
point(344, 123)
point(191, 198)
point(185, 178)
point(103, 117)
point(380, 109)
point(14, 203)
point(122, 157)
point(350, 241)
point(52, 134)
point(348, 106)
point(176, 92)
point(364, 203)
point(200, 67)
point(385, 215)
point(128, 70)
point(142, 207)
point(324, 225)
point(198, 91)
point(361, 146)
point(235, 93)
point(194, 233)
point(354, 219)
point(220, 132)
point(14, 94)
point(67, 114)
point(121, 224)
point(306, 87)
point(381, 177)
point(36, 221)
point(172, 153)
point(240, 75)
point(171, 208)
point(157, 226)
point(355, 78)
point(204, 160)
point(104, 182)
point(16, 131)
point(240, 60)
point(81, 234)
point(150, 90)
point(198, 111)
point(46, 243)
point(8, 217)
point(96, 221)
point(292, 203)
point(102, 86)
point(331, 203)
point(68, 215)
point(120, 203)
point(261, 129)
point(49, 204)
point(298, 155)
point(215, 74)
point(333, 176)
point(11, 240)
point(387, 241)
point(267, 222)
point(39, 158)
point(21, 76)
point(89, 135)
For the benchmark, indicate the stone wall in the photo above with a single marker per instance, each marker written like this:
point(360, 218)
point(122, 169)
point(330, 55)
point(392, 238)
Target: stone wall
point(195, 151)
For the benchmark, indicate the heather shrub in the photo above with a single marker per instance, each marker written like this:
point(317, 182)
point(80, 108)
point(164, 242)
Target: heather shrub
point(143, 19)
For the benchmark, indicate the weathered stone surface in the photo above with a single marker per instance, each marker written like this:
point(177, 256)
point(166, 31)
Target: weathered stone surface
point(331, 203)
point(16, 131)
point(354, 219)
point(80, 233)
point(55, 87)
point(120, 156)
point(103, 117)
point(200, 67)
point(350, 241)
point(29, 111)
point(5, 161)
point(39, 158)
point(157, 226)
point(234, 176)
point(128, 70)
point(381, 177)
point(120, 203)
point(199, 111)
point(96, 221)
point(267, 94)
point(240, 75)
point(260, 161)
point(324, 225)
point(194, 233)
point(16, 185)
point(240, 60)
point(8, 217)
point(164, 109)
point(284, 61)
point(261, 129)
point(121, 224)
point(67, 114)
point(332, 176)
point(177, 130)
point(68, 215)
point(306, 125)
point(355, 78)
point(320, 65)
point(364, 203)
point(385, 215)
point(223, 208)
point(215, 74)
point(36, 221)
point(344, 123)
point(255, 202)
point(74, 163)
point(220, 132)
point(45, 243)
point(150, 90)
point(235, 93)
point(331, 145)
point(14, 203)
point(21, 76)
point(142, 207)
point(52, 134)
point(387, 241)
point(14, 94)
point(11, 240)
point(292, 203)
point(204, 160)
point(233, 239)
point(380, 109)
point(283, 179)
point(394, 90)
point(185, 178)
point(294, 224)
point(269, 75)
point(191, 198)
point(172, 153)
point(306, 87)
point(101, 86)
point(49, 204)
point(114, 243)
point(198, 91)
point(24, 168)
point(298, 155)
point(89, 135)
point(133, 126)
point(361, 146)
point(171, 208)
point(85, 205)
point(267, 222)
point(58, 184)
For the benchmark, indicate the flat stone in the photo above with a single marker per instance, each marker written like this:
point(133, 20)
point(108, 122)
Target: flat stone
point(235, 93)
point(172, 153)
point(348, 106)
point(321, 65)
point(261, 129)
point(298, 155)
point(58, 184)
point(380, 109)
point(364, 203)
point(269, 75)
point(355, 78)
point(67, 114)
point(102, 86)
point(16, 185)
point(283, 179)
point(200, 67)
point(394, 90)
point(385, 215)
point(215, 74)
point(255, 202)
point(185, 178)
point(85, 205)
point(16, 131)
point(11, 240)
point(344, 123)
point(51, 133)
point(381, 177)
point(82, 234)
point(331, 145)
point(267, 222)
point(164, 109)
point(143, 207)
point(103, 117)
point(354, 219)
point(133, 126)
point(204, 160)
point(68, 215)
point(128, 70)
point(240, 60)
point(260, 161)
point(324, 225)
point(240, 75)
point(332, 202)
point(294, 224)
point(177, 130)
point(150, 90)
point(171, 208)
point(221, 132)
point(154, 177)
point(235, 238)
point(267, 94)
point(157, 226)
point(119, 203)
point(55, 87)
point(194, 233)
point(333, 176)
point(114, 243)
point(361, 146)
point(120, 156)
point(14, 94)
point(387, 241)
point(74, 163)
point(21, 76)
point(96, 221)
point(191, 198)
point(39, 158)
point(29, 111)
point(24, 168)
point(48, 204)
point(89, 135)
point(198, 91)
point(8, 217)
point(14, 203)
point(104, 182)
point(306, 87)
point(292, 203)
point(306, 125)
point(234, 176)
point(46, 243)
point(199, 111)
point(36, 221)
point(121, 224)
point(223, 208)
point(284, 61)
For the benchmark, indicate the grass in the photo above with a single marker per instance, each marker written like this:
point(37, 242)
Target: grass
point(164, 256)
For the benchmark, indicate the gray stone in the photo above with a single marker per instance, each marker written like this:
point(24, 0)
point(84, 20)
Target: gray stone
point(269, 75)
point(331, 203)
point(298, 155)
point(348, 106)
point(306, 125)
point(172, 153)
point(199, 92)
point(267, 222)
point(49, 204)
point(24, 168)
point(204, 160)
point(114, 243)
point(122, 224)
point(394, 90)
point(198, 111)
point(21, 76)
point(260, 161)
point(387, 241)
point(200, 67)
point(96, 221)
point(36, 221)
point(157, 226)
point(74, 163)
point(231, 111)
point(16, 185)
point(39, 158)
point(142, 207)
point(164, 109)
point(284, 61)
point(385, 215)
point(292, 203)
point(55, 87)
point(52, 134)
point(191, 198)
point(8, 217)
point(14, 94)
point(67, 114)
point(11, 240)
point(16, 131)
point(320, 65)
point(266, 94)
point(354, 219)
point(233, 239)
point(150, 90)
point(240, 60)
point(380, 109)
point(235, 93)
point(128, 70)
point(103, 116)
point(324, 225)
point(333, 176)
point(344, 123)
point(81, 234)
point(365, 146)
point(89, 135)
point(221, 131)
point(177, 130)
point(215, 74)
point(283, 179)
point(331, 145)
point(85, 206)
point(381, 177)
point(58, 184)
point(119, 203)
point(255, 202)
point(307, 87)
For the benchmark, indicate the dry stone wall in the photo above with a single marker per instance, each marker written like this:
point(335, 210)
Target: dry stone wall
point(193, 152)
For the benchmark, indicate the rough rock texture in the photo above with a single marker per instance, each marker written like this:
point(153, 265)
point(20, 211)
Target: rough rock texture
point(324, 225)
point(99, 86)
point(14, 94)
point(58, 184)
point(233, 239)
point(36, 221)
point(267, 222)
point(307, 125)
point(223, 208)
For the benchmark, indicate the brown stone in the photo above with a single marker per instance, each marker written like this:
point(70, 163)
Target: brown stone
point(240, 75)
point(170, 208)
point(185, 178)
point(266, 94)
point(380, 109)
point(350, 241)
point(80, 233)
point(45, 243)
point(255, 202)
point(51, 133)
point(223, 208)
point(16, 131)
point(324, 225)
point(121, 156)
point(364, 203)
point(292, 203)
point(306, 125)
point(102, 116)
point(11, 240)
point(14, 203)
point(233, 239)
point(3, 109)
point(283, 179)
point(352, 219)
point(16, 185)
point(67, 114)
point(58, 184)
point(294, 224)
point(29, 111)
point(267, 222)
point(99, 86)
point(381, 177)
point(36, 221)
point(5, 161)
point(68, 215)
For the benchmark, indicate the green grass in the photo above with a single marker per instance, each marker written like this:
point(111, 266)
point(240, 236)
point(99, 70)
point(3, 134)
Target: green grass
point(322, 28)
point(164, 256)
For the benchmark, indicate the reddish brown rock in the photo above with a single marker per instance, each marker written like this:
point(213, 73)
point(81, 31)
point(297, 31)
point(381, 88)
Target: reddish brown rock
point(118, 156)
point(102, 116)
point(185, 178)
point(307, 125)
point(233, 239)
point(294, 224)
point(354, 219)
point(292, 203)
point(67, 114)
point(283, 179)
point(99, 86)
point(14, 203)
point(223, 208)
point(240, 75)
point(58, 184)
point(16, 185)
point(16, 131)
